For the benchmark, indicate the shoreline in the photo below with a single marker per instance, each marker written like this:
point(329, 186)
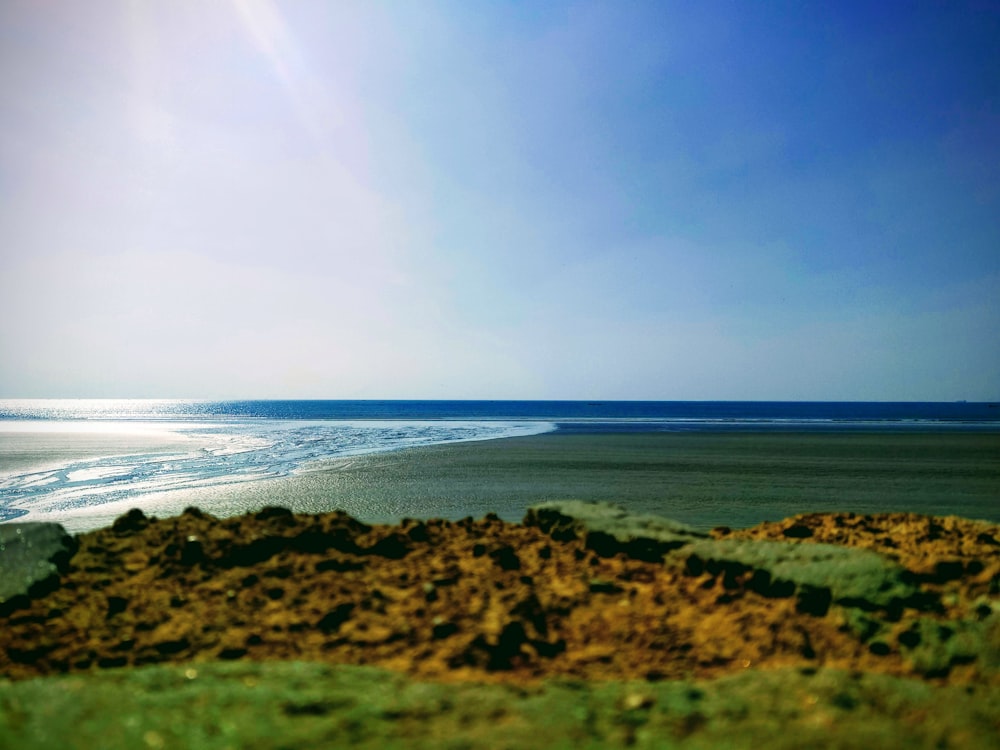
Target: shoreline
point(704, 479)
point(30, 446)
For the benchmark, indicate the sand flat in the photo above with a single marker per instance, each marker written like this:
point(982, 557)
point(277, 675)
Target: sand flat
point(703, 479)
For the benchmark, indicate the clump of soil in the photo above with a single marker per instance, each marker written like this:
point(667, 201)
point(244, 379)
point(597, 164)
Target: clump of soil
point(955, 558)
point(478, 600)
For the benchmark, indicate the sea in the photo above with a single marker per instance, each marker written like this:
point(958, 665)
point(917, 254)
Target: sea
point(239, 441)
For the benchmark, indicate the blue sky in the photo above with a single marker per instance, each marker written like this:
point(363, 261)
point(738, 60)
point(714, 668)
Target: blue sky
point(247, 198)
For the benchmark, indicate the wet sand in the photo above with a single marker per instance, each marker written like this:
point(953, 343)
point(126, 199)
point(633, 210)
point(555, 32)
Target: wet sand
point(27, 447)
point(701, 479)
point(704, 479)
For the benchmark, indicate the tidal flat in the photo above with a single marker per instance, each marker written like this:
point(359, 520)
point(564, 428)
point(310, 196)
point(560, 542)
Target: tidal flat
point(701, 478)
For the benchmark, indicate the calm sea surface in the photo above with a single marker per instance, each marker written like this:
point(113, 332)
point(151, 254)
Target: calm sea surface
point(651, 415)
point(234, 442)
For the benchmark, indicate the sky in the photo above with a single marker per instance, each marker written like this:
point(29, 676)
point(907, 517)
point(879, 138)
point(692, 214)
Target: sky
point(579, 200)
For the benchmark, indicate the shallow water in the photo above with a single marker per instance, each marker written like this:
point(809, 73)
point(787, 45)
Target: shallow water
point(216, 454)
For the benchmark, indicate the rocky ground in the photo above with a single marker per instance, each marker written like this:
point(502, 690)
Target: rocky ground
point(875, 621)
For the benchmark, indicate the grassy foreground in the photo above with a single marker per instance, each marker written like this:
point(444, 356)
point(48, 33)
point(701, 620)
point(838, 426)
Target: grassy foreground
point(299, 705)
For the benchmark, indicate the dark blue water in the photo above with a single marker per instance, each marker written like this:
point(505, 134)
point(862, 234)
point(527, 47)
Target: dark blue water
point(574, 416)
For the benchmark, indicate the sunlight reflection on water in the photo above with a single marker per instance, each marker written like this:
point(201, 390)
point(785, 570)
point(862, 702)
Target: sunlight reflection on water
point(218, 454)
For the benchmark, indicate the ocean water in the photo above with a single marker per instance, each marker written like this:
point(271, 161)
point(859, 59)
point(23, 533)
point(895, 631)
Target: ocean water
point(660, 415)
point(234, 442)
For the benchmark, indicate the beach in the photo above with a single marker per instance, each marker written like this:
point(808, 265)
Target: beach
point(27, 447)
point(703, 479)
point(868, 616)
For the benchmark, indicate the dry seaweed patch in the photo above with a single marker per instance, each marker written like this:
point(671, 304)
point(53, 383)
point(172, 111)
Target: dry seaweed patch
point(471, 600)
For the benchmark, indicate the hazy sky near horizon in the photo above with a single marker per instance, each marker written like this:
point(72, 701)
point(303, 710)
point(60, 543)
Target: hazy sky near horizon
point(662, 200)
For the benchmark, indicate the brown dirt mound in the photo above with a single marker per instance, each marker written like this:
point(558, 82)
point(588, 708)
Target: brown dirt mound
point(471, 600)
